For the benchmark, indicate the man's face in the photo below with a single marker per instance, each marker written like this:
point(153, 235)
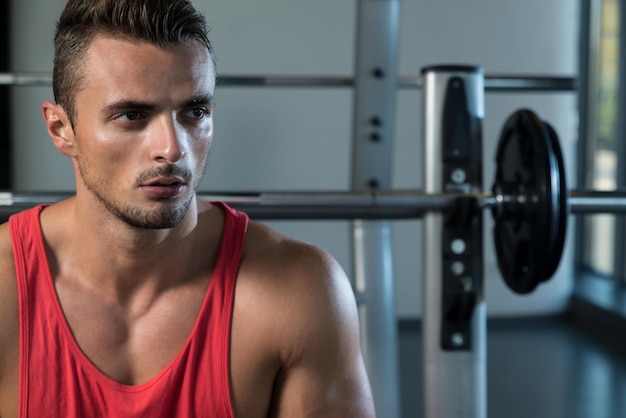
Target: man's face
point(144, 126)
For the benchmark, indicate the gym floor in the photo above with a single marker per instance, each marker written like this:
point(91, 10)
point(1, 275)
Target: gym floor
point(544, 367)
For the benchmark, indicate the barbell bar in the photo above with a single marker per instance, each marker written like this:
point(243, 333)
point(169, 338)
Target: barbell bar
point(336, 205)
point(494, 82)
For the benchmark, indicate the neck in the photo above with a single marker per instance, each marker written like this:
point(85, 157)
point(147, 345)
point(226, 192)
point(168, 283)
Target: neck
point(110, 254)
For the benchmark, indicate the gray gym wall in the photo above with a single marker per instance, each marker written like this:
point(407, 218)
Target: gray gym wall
point(299, 139)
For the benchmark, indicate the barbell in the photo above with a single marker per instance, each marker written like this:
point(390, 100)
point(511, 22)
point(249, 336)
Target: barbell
point(493, 82)
point(529, 202)
point(337, 205)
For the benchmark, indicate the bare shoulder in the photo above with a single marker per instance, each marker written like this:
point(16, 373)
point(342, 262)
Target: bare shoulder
point(294, 268)
point(7, 269)
point(9, 327)
point(298, 283)
point(8, 288)
point(5, 241)
point(311, 320)
point(265, 241)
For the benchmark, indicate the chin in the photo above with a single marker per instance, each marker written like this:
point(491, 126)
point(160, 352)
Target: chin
point(165, 217)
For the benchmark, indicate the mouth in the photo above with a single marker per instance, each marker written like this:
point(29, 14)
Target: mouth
point(165, 182)
point(164, 187)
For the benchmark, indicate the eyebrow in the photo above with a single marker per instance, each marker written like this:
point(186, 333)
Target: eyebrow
point(206, 99)
point(126, 105)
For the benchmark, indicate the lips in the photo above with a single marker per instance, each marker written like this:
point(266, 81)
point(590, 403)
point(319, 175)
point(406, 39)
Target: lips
point(164, 188)
point(164, 182)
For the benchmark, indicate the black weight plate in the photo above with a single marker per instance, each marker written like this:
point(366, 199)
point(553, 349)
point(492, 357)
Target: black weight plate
point(559, 243)
point(528, 226)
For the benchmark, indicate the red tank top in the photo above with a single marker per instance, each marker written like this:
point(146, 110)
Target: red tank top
point(58, 380)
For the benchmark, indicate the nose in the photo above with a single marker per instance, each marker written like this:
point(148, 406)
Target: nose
point(168, 142)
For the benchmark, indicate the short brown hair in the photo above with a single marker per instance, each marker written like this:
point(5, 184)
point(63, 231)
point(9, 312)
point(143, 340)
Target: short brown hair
point(160, 22)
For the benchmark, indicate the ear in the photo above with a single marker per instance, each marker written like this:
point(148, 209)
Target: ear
point(59, 128)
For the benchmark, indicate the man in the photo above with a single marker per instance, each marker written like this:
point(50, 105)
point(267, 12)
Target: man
point(136, 299)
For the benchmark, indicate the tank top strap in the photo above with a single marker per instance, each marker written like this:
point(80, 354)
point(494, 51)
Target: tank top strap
point(233, 239)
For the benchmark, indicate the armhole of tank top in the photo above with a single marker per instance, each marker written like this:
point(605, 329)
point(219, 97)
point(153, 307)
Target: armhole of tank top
point(238, 224)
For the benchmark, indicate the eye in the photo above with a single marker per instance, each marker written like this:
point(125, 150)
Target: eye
point(129, 116)
point(197, 113)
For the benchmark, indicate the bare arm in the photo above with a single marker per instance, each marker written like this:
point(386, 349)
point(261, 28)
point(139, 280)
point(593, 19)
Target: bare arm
point(322, 372)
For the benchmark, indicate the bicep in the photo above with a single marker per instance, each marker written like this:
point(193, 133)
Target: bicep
point(324, 375)
point(317, 391)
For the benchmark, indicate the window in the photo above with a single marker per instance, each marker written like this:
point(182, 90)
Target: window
point(600, 232)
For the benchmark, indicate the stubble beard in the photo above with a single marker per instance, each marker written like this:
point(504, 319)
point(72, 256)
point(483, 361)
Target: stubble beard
point(136, 217)
point(168, 216)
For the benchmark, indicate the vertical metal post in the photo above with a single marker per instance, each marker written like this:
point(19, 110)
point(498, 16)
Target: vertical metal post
point(377, 52)
point(454, 313)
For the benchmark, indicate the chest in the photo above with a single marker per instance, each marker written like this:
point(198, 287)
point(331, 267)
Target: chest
point(134, 349)
point(135, 352)
point(131, 342)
